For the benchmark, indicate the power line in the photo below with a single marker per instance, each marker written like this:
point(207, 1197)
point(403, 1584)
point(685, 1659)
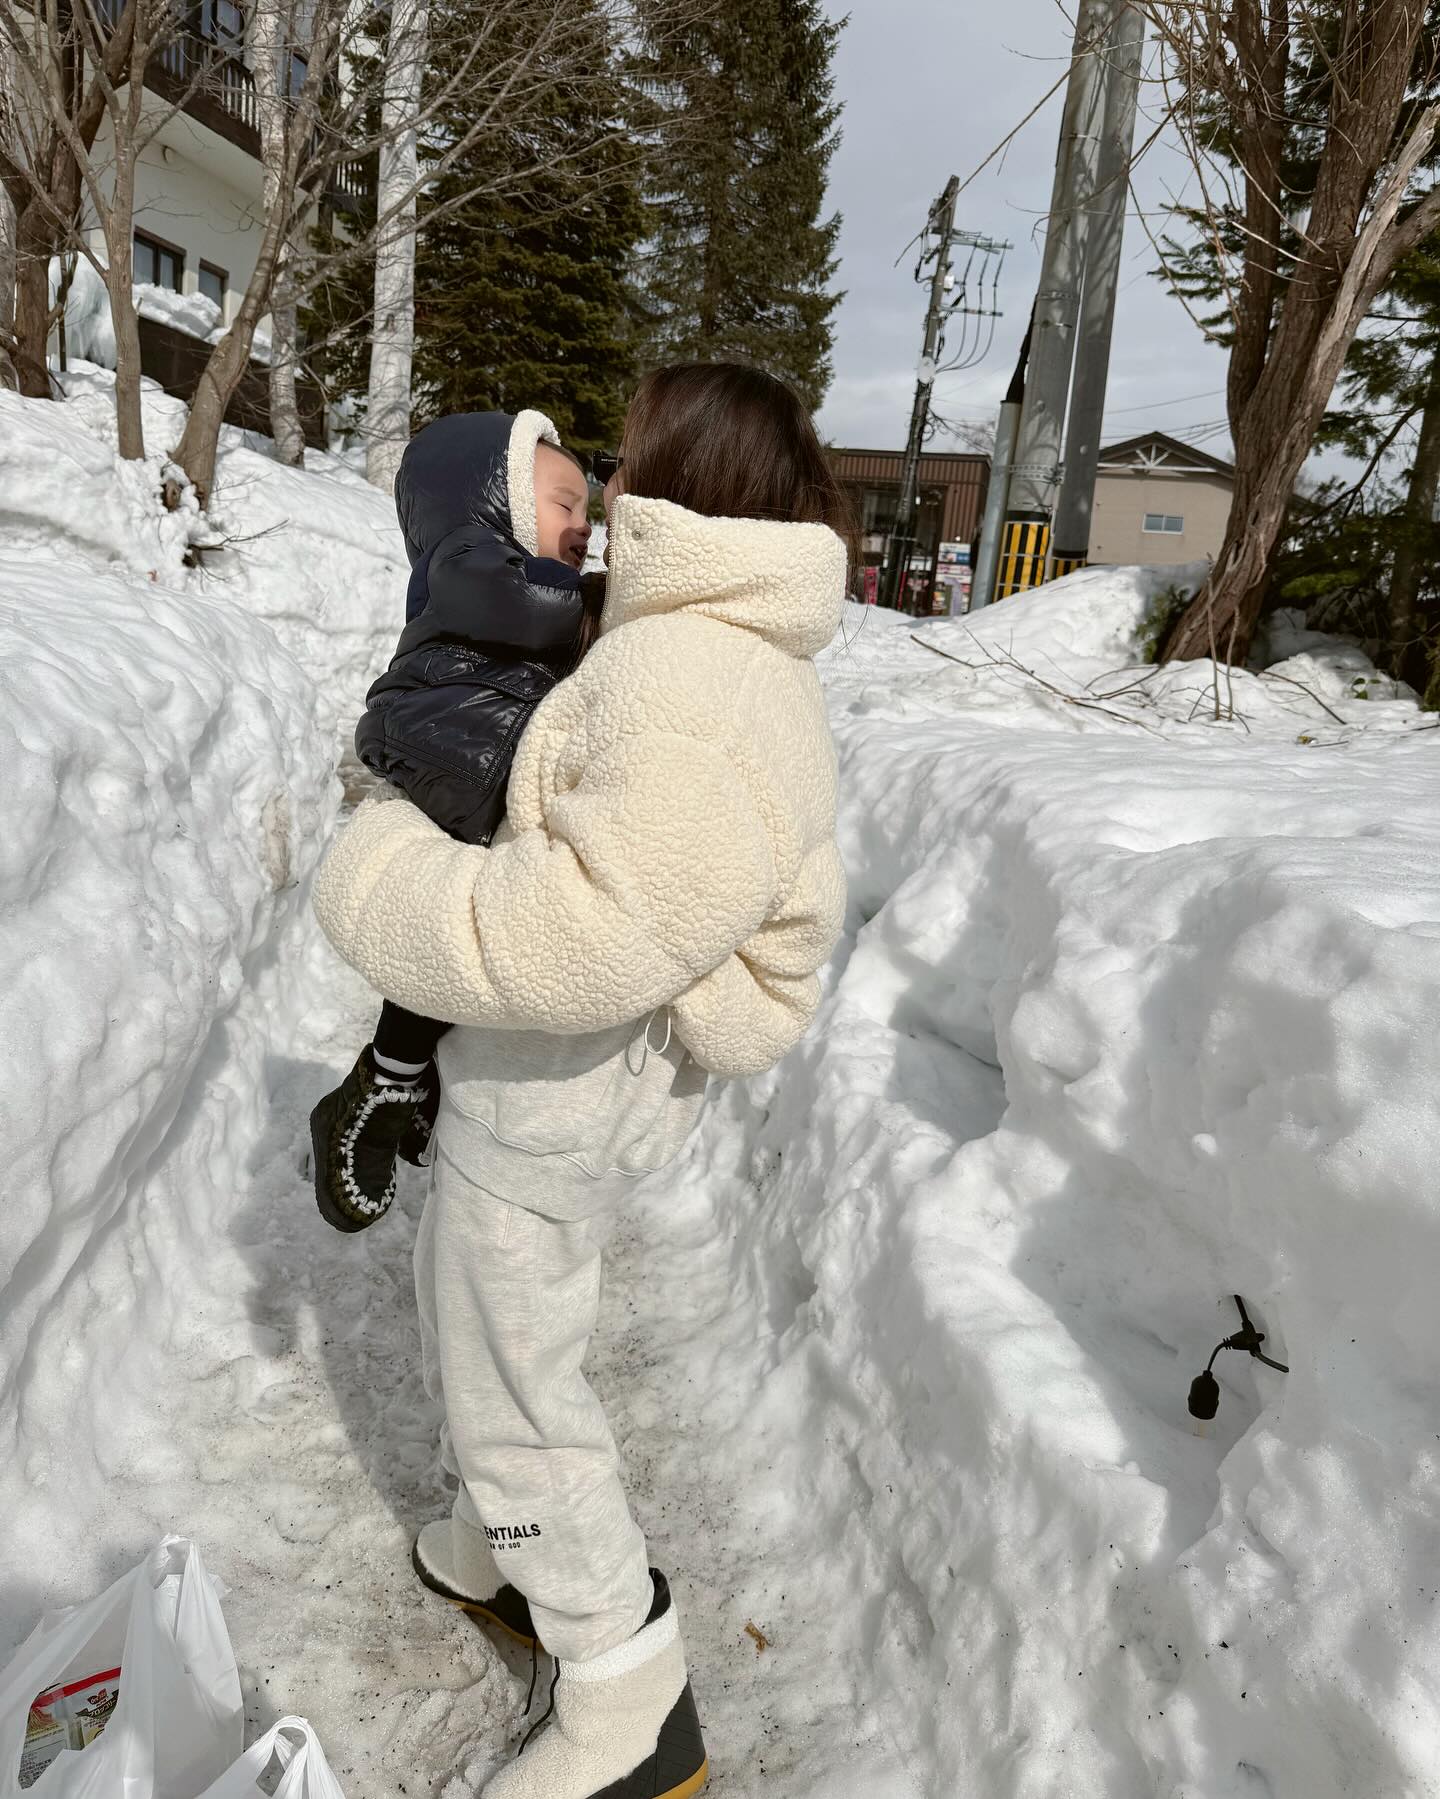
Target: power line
point(1154, 405)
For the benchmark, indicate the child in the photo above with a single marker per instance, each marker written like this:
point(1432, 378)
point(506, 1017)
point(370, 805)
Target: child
point(494, 517)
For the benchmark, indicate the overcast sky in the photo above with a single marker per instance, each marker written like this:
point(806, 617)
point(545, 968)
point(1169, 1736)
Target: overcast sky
point(929, 88)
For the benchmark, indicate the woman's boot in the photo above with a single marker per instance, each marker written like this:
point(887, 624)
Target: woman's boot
point(624, 1725)
point(453, 1558)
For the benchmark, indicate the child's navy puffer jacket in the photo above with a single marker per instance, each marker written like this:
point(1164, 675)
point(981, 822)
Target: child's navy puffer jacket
point(491, 628)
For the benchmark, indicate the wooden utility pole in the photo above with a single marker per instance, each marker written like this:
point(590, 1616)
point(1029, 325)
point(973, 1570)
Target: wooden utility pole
point(902, 534)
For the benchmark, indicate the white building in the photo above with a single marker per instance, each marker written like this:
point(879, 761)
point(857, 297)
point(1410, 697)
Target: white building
point(199, 202)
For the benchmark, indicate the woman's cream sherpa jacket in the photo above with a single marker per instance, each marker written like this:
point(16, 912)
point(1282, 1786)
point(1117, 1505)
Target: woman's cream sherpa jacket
point(670, 837)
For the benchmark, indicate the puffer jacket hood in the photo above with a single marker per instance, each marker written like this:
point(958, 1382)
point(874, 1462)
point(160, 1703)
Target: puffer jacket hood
point(465, 499)
point(783, 582)
point(472, 468)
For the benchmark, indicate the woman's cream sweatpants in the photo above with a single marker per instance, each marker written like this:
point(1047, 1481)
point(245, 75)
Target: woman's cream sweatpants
point(508, 1300)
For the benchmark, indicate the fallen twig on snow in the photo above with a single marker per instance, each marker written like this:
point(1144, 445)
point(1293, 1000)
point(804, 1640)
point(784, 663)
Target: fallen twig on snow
point(1012, 662)
point(1269, 674)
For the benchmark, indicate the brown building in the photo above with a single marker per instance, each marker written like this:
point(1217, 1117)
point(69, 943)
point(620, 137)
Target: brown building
point(952, 498)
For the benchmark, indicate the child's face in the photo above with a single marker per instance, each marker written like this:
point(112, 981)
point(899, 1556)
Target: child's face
point(562, 497)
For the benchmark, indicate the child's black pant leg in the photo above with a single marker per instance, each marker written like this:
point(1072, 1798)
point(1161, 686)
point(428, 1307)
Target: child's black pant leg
point(403, 1036)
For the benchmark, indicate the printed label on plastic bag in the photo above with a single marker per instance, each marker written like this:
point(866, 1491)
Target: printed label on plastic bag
point(66, 1717)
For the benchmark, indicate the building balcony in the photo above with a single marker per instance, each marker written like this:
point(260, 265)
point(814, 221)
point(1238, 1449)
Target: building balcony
point(205, 75)
point(213, 86)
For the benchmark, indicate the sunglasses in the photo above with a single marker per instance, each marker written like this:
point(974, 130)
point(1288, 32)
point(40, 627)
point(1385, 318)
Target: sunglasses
point(604, 466)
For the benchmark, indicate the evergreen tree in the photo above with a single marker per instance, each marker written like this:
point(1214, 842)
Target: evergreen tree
point(522, 299)
point(738, 258)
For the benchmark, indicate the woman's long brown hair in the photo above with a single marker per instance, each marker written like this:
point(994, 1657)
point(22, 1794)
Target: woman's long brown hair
point(729, 441)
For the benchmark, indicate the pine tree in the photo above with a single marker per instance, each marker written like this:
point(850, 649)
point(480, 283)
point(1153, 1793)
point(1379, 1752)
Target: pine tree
point(522, 299)
point(739, 260)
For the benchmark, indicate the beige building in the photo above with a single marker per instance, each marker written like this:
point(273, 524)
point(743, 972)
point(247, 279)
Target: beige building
point(1159, 501)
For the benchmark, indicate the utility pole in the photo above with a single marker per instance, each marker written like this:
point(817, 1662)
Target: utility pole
point(1070, 538)
point(982, 586)
point(902, 537)
point(1057, 303)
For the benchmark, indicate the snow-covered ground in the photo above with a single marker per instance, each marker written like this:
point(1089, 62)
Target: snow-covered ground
point(1134, 1013)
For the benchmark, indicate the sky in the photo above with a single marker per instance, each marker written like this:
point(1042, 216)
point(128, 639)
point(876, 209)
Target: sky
point(929, 88)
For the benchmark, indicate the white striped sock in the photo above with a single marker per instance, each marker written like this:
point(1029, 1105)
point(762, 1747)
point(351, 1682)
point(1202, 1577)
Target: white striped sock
point(391, 1073)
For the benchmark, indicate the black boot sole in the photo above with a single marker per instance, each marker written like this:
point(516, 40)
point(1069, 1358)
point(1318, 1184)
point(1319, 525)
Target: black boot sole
point(679, 1767)
point(477, 1608)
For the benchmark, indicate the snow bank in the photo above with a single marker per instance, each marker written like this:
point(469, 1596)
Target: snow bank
point(1136, 1012)
point(315, 552)
point(169, 792)
point(171, 771)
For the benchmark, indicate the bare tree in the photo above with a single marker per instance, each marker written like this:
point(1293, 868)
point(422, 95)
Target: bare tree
point(60, 78)
point(274, 31)
point(392, 345)
point(54, 49)
point(283, 39)
point(1297, 289)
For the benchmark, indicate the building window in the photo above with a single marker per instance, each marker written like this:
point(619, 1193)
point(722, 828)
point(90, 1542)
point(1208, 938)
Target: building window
point(222, 22)
point(212, 283)
point(158, 264)
point(299, 68)
point(878, 511)
point(1170, 523)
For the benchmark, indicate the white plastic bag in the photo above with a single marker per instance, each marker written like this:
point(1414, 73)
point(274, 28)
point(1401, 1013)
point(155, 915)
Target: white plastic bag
point(178, 1720)
point(307, 1773)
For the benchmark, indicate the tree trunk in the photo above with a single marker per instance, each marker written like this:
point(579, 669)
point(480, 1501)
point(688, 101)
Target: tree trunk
point(10, 204)
point(120, 284)
point(392, 346)
point(1408, 654)
point(33, 249)
point(271, 30)
point(285, 425)
point(199, 442)
point(129, 422)
point(8, 377)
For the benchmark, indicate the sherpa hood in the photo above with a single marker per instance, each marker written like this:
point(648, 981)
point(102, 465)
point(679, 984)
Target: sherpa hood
point(783, 582)
point(465, 499)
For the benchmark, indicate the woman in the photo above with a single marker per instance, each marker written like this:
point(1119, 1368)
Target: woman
point(653, 912)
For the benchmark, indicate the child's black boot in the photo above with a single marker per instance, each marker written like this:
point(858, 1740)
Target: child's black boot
point(357, 1132)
